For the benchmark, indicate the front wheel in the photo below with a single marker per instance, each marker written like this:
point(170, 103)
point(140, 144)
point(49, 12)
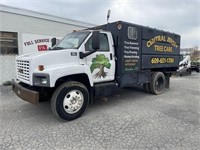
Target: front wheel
point(70, 100)
point(157, 84)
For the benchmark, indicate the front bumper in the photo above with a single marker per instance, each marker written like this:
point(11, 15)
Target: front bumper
point(25, 94)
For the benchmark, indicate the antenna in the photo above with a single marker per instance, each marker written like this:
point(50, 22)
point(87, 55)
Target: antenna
point(108, 15)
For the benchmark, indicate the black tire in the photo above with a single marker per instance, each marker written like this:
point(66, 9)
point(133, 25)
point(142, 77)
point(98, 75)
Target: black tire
point(157, 84)
point(64, 95)
point(146, 87)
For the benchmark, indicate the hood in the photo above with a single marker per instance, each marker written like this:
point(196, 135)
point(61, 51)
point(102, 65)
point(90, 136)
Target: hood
point(49, 58)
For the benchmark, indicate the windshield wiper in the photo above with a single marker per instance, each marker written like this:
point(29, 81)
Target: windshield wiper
point(57, 48)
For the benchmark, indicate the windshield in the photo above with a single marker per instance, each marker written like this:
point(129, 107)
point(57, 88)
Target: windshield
point(72, 40)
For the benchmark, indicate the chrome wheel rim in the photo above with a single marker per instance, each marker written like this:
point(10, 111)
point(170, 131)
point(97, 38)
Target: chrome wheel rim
point(73, 101)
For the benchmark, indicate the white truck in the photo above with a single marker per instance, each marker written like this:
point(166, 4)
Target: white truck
point(184, 65)
point(96, 62)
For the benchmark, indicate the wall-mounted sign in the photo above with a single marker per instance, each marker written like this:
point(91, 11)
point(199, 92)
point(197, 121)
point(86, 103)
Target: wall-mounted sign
point(36, 43)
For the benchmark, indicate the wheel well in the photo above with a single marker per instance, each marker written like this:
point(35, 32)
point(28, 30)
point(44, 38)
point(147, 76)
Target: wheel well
point(82, 78)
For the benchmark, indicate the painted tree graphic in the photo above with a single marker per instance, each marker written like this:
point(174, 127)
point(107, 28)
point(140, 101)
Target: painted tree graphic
point(100, 61)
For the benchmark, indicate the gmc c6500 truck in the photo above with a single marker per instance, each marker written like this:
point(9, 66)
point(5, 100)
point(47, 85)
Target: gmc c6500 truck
point(96, 62)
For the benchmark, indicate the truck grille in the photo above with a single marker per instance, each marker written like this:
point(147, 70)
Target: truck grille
point(23, 69)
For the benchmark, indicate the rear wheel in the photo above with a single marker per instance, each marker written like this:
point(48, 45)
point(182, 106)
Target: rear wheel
point(70, 100)
point(157, 84)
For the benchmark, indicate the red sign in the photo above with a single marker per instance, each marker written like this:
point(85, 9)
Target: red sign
point(42, 47)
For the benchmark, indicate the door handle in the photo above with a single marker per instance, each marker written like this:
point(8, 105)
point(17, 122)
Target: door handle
point(111, 57)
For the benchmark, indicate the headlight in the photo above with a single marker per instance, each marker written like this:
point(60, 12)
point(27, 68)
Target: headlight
point(41, 79)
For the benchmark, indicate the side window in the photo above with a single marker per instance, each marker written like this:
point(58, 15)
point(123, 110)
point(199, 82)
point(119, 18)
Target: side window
point(8, 43)
point(104, 45)
point(132, 33)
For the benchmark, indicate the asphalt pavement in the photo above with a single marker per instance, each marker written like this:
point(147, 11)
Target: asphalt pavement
point(129, 120)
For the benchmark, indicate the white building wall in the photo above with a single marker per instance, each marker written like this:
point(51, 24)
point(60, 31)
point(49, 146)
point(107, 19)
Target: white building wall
point(24, 24)
point(23, 21)
point(7, 70)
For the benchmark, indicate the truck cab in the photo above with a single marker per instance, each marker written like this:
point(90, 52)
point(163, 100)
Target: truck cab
point(64, 59)
point(81, 59)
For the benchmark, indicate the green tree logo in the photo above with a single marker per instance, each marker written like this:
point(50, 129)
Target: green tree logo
point(100, 61)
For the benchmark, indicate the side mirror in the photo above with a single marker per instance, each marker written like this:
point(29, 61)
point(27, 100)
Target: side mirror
point(53, 42)
point(96, 40)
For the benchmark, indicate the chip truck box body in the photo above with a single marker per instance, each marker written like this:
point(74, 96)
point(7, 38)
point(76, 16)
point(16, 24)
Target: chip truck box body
point(140, 50)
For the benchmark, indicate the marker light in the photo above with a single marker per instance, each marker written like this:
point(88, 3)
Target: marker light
point(40, 67)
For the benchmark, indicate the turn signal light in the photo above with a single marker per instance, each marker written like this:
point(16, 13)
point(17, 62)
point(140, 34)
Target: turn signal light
point(40, 67)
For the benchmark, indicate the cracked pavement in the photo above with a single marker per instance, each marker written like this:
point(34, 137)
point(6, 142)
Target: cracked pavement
point(130, 120)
